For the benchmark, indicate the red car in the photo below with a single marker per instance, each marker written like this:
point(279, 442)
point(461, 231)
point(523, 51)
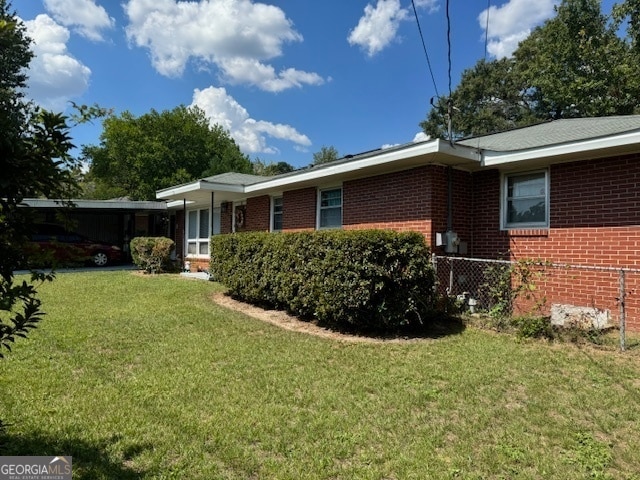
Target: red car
point(51, 244)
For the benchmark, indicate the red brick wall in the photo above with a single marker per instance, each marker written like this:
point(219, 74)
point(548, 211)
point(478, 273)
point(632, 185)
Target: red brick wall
point(226, 217)
point(398, 201)
point(487, 239)
point(461, 204)
point(257, 213)
point(595, 221)
point(594, 210)
point(299, 209)
point(179, 234)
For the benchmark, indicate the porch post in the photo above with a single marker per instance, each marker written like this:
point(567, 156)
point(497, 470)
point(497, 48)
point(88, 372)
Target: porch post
point(184, 231)
point(212, 215)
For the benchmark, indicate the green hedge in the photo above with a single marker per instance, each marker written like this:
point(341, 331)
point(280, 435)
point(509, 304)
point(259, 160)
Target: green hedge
point(152, 254)
point(375, 280)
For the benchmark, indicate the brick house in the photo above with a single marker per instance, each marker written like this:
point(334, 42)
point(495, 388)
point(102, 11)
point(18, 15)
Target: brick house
point(566, 191)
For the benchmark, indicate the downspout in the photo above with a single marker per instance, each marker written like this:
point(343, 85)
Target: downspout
point(449, 199)
point(212, 215)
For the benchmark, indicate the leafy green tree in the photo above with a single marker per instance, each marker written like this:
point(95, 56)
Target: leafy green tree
point(628, 12)
point(269, 168)
point(139, 155)
point(574, 65)
point(491, 97)
point(325, 155)
point(35, 162)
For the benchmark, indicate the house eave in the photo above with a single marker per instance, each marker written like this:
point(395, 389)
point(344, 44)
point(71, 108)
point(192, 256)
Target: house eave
point(432, 152)
point(180, 191)
point(398, 158)
point(96, 204)
point(585, 149)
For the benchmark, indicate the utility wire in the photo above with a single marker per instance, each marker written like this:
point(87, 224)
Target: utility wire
point(448, 44)
point(424, 46)
point(450, 107)
point(486, 31)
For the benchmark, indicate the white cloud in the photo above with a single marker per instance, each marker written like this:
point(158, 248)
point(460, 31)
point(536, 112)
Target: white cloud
point(250, 134)
point(512, 22)
point(84, 16)
point(237, 36)
point(54, 75)
point(421, 137)
point(378, 27)
point(430, 5)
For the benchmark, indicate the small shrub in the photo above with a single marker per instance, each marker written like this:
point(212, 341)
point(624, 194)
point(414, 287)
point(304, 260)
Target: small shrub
point(505, 284)
point(533, 327)
point(152, 254)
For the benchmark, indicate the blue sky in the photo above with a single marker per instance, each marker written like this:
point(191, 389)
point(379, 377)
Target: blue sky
point(284, 77)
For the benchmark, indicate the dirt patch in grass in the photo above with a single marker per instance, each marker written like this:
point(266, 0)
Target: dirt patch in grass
point(290, 322)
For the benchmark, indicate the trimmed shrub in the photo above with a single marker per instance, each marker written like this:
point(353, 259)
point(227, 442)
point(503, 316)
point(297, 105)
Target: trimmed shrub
point(376, 280)
point(152, 254)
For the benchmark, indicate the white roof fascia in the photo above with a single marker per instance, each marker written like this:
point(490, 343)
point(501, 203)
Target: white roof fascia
point(493, 158)
point(178, 203)
point(426, 148)
point(198, 186)
point(97, 204)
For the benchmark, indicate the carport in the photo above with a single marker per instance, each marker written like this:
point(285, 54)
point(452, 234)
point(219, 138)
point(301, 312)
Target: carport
point(114, 221)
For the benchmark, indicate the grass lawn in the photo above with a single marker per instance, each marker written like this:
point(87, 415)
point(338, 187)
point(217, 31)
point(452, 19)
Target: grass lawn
point(144, 377)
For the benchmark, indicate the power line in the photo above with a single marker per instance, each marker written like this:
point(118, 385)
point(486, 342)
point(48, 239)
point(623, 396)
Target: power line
point(486, 31)
point(448, 44)
point(424, 46)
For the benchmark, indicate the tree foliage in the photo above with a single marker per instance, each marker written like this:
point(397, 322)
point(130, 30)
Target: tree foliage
point(325, 155)
point(574, 65)
point(35, 162)
point(139, 155)
point(261, 167)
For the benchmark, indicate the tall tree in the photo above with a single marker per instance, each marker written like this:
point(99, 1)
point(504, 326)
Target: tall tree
point(325, 155)
point(491, 97)
point(139, 155)
point(574, 65)
point(35, 162)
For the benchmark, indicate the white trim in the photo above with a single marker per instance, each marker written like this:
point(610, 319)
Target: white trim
point(198, 186)
point(463, 154)
point(97, 204)
point(179, 203)
point(504, 225)
point(494, 158)
point(198, 240)
point(414, 154)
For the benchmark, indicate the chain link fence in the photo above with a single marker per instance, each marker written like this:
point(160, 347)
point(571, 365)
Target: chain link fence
point(584, 296)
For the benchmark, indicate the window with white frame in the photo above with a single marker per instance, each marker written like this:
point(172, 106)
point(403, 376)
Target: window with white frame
point(198, 232)
point(276, 214)
point(525, 200)
point(330, 208)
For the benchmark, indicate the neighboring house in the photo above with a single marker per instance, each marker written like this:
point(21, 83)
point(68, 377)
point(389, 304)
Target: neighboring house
point(566, 191)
